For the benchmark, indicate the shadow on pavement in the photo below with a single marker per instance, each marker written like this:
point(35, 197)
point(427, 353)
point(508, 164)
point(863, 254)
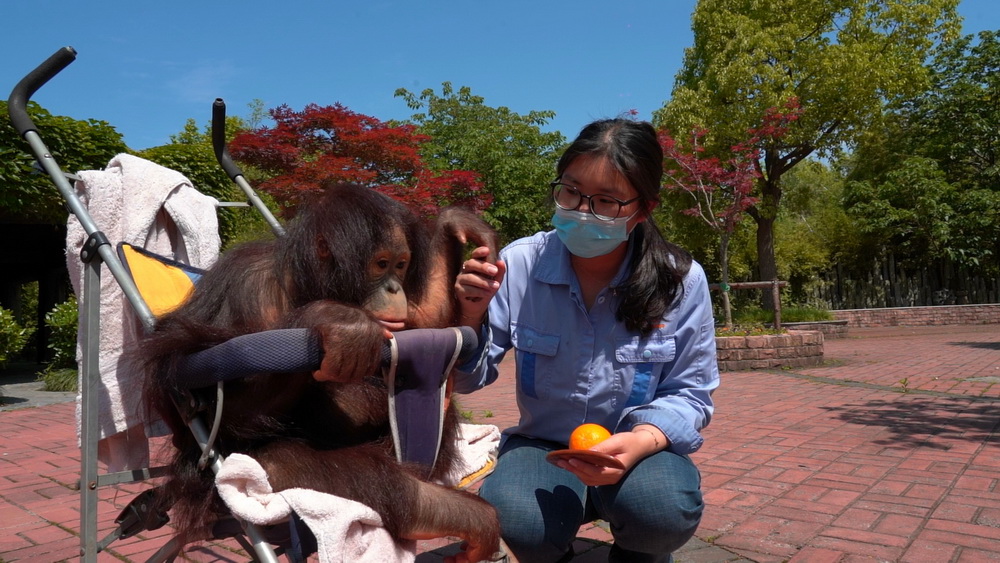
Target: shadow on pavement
point(919, 421)
point(983, 345)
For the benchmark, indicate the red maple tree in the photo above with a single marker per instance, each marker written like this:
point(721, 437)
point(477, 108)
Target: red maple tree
point(722, 188)
point(305, 148)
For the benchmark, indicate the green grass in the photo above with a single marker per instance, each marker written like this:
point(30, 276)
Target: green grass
point(63, 379)
point(788, 315)
point(746, 330)
point(755, 321)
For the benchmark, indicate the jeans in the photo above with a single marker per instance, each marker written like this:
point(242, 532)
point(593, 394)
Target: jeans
point(653, 510)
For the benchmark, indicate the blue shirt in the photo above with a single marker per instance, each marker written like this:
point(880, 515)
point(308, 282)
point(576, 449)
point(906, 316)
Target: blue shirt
point(575, 366)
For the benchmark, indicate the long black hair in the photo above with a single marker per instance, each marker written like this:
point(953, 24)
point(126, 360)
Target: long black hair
point(657, 266)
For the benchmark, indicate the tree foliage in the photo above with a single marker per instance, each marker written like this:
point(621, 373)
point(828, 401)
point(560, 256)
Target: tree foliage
point(720, 188)
point(910, 210)
point(515, 160)
point(812, 232)
point(305, 148)
point(955, 121)
point(191, 153)
point(198, 163)
point(924, 186)
point(813, 210)
point(842, 60)
point(917, 215)
point(30, 196)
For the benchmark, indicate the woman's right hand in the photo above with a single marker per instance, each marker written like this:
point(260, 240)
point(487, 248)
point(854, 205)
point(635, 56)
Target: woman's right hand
point(476, 285)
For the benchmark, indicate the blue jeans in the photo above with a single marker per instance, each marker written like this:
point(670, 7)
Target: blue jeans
point(653, 510)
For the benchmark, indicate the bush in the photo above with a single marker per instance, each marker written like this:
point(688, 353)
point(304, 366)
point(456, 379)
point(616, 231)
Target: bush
point(59, 379)
point(746, 329)
point(805, 315)
point(13, 336)
point(60, 374)
point(788, 315)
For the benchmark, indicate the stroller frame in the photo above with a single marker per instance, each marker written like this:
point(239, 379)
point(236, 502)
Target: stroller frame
point(408, 398)
point(98, 250)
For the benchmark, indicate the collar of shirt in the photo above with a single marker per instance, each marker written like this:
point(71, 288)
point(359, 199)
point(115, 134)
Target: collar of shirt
point(555, 265)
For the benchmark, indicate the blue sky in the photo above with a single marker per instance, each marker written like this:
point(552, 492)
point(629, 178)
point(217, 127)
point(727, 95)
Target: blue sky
point(146, 67)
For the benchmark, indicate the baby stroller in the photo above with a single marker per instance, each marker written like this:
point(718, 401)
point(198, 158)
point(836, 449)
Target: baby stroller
point(139, 276)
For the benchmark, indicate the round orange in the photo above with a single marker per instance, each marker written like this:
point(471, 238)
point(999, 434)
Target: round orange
point(587, 436)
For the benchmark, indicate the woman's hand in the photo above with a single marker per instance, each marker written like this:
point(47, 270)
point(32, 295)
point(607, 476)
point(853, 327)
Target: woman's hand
point(628, 447)
point(477, 283)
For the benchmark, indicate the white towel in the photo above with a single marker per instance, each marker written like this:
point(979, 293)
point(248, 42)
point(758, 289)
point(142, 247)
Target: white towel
point(477, 446)
point(144, 204)
point(345, 530)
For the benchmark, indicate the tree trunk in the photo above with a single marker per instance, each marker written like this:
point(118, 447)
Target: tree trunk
point(765, 215)
point(724, 263)
point(767, 268)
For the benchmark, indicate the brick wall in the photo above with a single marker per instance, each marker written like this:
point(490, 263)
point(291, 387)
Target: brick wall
point(795, 349)
point(921, 316)
point(830, 329)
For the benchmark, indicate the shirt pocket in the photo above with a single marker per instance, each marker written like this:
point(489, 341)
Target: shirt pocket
point(533, 347)
point(643, 358)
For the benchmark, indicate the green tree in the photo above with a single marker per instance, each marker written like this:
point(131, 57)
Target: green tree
point(916, 214)
point(955, 121)
point(190, 152)
point(75, 145)
point(910, 211)
point(842, 60)
point(13, 336)
point(191, 135)
point(197, 162)
point(949, 133)
point(812, 231)
point(515, 160)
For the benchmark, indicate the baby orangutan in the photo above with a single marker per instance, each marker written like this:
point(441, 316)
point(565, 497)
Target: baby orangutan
point(353, 266)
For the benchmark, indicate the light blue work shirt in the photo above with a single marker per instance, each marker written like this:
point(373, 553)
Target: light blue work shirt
point(575, 366)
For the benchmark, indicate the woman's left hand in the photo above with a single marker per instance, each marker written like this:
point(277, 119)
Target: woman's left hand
point(628, 447)
point(476, 284)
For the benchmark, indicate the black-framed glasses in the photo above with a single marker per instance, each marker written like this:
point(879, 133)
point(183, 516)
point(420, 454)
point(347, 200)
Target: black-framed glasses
point(604, 207)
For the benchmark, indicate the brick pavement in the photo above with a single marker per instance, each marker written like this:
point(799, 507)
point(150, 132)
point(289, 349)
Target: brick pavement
point(888, 452)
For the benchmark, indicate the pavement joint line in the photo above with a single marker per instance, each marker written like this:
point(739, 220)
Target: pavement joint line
point(893, 389)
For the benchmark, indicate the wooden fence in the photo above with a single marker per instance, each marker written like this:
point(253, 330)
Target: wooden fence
point(890, 285)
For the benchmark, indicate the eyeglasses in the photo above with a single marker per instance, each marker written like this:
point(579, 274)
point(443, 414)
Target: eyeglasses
point(604, 207)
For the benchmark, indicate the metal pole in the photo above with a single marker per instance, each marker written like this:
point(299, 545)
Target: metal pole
point(90, 377)
point(776, 298)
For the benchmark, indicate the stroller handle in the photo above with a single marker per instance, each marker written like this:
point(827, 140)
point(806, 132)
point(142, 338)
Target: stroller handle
point(290, 350)
point(219, 139)
point(231, 169)
point(17, 104)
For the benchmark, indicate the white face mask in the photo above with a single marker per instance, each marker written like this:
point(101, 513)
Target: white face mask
point(587, 236)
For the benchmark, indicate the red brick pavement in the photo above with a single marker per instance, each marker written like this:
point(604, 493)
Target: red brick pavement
point(888, 452)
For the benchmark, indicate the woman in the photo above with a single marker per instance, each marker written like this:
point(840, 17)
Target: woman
point(613, 325)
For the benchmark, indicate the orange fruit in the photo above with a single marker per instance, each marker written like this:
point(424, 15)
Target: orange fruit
point(587, 435)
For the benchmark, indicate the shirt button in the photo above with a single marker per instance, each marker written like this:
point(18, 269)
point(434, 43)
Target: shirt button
point(647, 354)
point(531, 342)
point(600, 300)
